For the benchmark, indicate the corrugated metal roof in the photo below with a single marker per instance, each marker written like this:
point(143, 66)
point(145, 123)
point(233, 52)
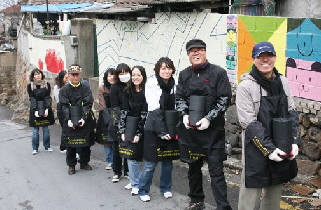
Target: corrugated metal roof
point(12, 9)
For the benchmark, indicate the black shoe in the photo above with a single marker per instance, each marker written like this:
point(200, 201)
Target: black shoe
point(195, 206)
point(71, 170)
point(85, 166)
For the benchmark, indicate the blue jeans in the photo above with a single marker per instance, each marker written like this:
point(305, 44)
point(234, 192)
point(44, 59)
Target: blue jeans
point(109, 154)
point(147, 173)
point(134, 172)
point(35, 137)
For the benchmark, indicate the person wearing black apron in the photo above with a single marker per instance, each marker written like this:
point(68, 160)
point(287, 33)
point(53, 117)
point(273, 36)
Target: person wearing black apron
point(159, 146)
point(40, 113)
point(79, 122)
point(201, 129)
point(263, 97)
point(105, 116)
point(131, 125)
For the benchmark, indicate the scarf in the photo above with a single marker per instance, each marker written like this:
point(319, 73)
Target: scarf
point(166, 101)
point(41, 83)
point(272, 86)
point(167, 87)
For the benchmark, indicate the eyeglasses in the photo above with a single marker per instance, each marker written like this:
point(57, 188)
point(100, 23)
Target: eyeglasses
point(196, 50)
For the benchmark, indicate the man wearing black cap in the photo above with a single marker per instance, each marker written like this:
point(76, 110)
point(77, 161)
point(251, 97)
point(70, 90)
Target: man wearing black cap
point(201, 130)
point(76, 100)
point(263, 97)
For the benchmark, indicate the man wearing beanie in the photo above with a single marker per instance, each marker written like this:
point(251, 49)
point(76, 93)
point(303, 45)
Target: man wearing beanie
point(203, 94)
point(262, 95)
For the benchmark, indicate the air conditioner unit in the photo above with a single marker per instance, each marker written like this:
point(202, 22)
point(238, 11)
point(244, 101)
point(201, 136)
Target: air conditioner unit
point(73, 41)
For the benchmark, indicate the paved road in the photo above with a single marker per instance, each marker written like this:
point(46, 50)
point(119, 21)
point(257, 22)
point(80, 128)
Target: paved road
point(41, 182)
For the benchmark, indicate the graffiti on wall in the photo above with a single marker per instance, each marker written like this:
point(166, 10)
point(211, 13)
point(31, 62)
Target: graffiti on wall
point(231, 47)
point(137, 43)
point(252, 30)
point(303, 58)
point(53, 63)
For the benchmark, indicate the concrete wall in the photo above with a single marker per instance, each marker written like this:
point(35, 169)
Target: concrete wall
point(7, 74)
point(137, 43)
point(83, 29)
point(300, 8)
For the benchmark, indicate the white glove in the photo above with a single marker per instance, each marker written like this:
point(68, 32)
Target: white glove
point(166, 137)
point(81, 122)
point(275, 155)
point(294, 152)
point(123, 137)
point(203, 124)
point(136, 139)
point(186, 121)
point(37, 114)
point(46, 113)
point(70, 124)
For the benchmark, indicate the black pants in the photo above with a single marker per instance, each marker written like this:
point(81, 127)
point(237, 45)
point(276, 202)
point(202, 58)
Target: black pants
point(218, 183)
point(117, 160)
point(61, 122)
point(84, 155)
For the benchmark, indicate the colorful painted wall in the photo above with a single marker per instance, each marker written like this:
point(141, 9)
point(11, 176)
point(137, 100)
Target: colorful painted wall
point(298, 46)
point(229, 39)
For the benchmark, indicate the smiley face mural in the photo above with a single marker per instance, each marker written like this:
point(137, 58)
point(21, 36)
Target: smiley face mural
point(303, 58)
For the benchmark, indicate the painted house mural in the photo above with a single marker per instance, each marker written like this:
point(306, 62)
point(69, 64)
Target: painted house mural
point(137, 43)
point(297, 43)
point(304, 58)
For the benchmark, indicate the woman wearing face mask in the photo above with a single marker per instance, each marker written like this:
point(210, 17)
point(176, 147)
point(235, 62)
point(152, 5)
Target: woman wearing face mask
point(60, 80)
point(159, 146)
point(105, 116)
point(40, 114)
point(122, 77)
point(131, 125)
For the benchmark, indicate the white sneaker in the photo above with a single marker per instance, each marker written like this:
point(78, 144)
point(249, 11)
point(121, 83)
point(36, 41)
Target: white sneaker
point(115, 178)
point(77, 156)
point(63, 151)
point(128, 186)
point(168, 194)
point(49, 150)
point(134, 191)
point(144, 198)
point(34, 152)
point(109, 167)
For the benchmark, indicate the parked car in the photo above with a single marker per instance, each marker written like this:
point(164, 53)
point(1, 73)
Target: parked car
point(7, 47)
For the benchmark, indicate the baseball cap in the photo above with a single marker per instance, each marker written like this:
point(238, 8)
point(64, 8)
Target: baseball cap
point(195, 43)
point(262, 47)
point(73, 69)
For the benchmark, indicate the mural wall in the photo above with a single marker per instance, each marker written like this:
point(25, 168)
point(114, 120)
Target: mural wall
point(229, 40)
point(298, 47)
point(47, 55)
point(137, 43)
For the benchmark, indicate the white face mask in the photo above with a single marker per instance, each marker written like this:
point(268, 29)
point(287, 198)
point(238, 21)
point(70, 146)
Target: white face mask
point(124, 78)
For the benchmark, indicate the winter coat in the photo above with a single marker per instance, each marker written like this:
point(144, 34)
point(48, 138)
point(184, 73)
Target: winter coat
point(82, 97)
point(40, 93)
point(212, 83)
point(155, 148)
point(134, 105)
point(256, 109)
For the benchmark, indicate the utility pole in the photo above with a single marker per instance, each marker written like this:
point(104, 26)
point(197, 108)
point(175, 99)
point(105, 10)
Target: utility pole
point(47, 10)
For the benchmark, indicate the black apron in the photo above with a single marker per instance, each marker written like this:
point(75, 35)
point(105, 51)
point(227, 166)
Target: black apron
point(41, 121)
point(260, 171)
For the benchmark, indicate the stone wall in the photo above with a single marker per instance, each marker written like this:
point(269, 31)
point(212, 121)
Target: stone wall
point(7, 75)
point(310, 127)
